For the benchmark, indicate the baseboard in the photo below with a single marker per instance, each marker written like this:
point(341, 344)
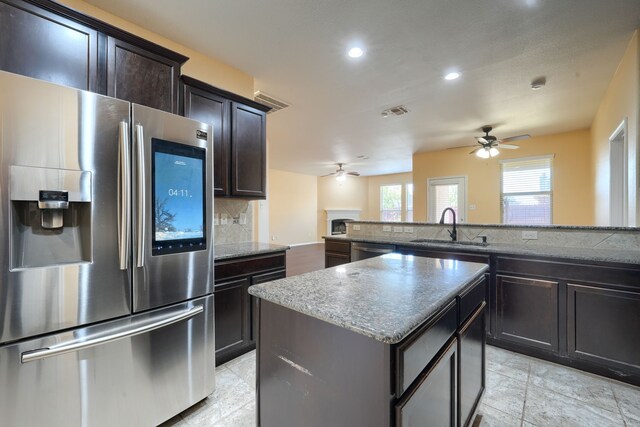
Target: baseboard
point(306, 244)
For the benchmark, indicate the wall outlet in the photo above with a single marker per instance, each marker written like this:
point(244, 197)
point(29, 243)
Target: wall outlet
point(397, 229)
point(530, 235)
point(472, 207)
point(274, 237)
point(408, 229)
point(386, 228)
point(356, 227)
point(224, 218)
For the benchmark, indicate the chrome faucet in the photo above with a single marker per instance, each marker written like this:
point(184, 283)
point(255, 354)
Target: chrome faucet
point(453, 233)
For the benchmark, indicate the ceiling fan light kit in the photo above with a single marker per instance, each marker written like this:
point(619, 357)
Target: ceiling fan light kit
point(489, 144)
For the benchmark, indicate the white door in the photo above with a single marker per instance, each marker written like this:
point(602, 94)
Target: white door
point(447, 192)
point(618, 176)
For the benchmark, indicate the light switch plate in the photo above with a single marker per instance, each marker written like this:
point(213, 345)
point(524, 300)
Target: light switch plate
point(397, 229)
point(472, 207)
point(530, 235)
point(216, 219)
point(356, 227)
point(408, 229)
point(243, 218)
point(386, 228)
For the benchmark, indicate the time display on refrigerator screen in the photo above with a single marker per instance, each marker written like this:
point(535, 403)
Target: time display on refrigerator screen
point(178, 197)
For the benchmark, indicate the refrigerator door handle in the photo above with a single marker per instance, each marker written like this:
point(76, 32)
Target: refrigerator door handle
point(124, 195)
point(141, 195)
point(136, 328)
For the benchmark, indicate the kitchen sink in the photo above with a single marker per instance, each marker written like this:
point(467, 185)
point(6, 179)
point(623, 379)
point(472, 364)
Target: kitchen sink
point(449, 242)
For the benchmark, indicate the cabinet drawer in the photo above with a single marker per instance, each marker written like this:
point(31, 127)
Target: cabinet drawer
point(244, 266)
point(340, 247)
point(267, 277)
point(432, 401)
point(472, 298)
point(415, 353)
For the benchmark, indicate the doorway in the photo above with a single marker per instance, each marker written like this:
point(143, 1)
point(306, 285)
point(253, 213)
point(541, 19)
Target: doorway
point(447, 192)
point(618, 197)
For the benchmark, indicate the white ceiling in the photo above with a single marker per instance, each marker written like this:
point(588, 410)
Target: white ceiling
point(295, 49)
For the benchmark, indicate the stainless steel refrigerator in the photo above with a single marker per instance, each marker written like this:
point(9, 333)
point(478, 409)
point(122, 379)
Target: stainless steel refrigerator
point(106, 274)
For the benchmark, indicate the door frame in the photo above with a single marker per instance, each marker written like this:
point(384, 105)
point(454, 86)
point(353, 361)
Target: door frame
point(462, 198)
point(614, 197)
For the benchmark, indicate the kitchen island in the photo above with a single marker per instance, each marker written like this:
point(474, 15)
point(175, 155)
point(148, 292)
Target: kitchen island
point(390, 341)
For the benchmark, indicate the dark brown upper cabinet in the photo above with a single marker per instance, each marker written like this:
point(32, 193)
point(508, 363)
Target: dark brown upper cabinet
point(239, 137)
point(49, 41)
point(37, 43)
point(142, 76)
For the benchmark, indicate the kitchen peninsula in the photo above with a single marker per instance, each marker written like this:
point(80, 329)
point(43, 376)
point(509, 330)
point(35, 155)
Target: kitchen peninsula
point(395, 340)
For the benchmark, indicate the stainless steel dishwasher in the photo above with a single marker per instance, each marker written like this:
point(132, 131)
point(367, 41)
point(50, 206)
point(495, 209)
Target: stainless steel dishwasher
point(369, 250)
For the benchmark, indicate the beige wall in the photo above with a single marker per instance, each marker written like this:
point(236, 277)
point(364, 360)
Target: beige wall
point(199, 66)
point(293, 199)
point(572, 178)
point(374, 183)
point(620, 101)
point(349, 194)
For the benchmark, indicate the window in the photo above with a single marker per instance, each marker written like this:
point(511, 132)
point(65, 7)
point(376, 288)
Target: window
point(391, 202)
point(526, 190)
point(409, 192)
point(447, 192)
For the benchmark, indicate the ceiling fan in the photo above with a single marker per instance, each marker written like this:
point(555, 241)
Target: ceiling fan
point(340, 173)
point(489, 144)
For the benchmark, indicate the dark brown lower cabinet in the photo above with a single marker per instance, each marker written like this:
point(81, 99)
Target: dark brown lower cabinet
point(235, 312)
point(231, 315)
point(433, 402)
point(603, 326)
point(471, 365)
point(527, 311)
point(336, 252)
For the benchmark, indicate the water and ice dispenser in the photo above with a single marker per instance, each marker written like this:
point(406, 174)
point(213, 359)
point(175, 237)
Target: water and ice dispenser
point(50, 216)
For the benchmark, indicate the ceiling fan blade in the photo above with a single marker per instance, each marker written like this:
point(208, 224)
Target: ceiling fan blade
point(476, 150)
point(516, 138)
point(482, 140)
point(508, 146)
point(329, 174)
point(462, 146)
point(353, 173)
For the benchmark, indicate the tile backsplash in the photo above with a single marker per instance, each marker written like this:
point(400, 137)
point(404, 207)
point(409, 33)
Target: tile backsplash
point(238, 215)
point(559, 236)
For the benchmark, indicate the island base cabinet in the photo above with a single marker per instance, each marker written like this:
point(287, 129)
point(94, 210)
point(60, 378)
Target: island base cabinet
point(315, 374)
point(603, 327)
point(471, 365)
point(433, 400)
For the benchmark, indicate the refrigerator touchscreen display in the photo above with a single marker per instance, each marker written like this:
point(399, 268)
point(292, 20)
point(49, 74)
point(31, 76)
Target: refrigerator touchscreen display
point(179, 200)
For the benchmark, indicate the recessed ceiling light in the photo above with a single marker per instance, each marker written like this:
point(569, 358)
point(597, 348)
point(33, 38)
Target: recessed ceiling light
point(355, 52)
point(452, 76)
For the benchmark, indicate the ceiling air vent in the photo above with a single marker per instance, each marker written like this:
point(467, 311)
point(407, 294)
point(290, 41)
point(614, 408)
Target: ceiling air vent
point(270, 101)
point(398, 110)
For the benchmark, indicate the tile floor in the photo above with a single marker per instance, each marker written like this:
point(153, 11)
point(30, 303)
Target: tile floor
point(521, 391)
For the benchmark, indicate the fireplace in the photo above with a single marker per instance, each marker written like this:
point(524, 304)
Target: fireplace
point(337, 219)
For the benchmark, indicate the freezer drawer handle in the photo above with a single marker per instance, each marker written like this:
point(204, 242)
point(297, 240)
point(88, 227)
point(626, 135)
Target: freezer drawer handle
point(43, 353)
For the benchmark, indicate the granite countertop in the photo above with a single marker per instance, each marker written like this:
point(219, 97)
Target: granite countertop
point(235, 250)
point(618, 256)
point(384, 298)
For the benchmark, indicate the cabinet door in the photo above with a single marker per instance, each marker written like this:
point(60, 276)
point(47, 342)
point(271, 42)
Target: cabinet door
point(261, 278)
point(527, 311)
point(248, 152)
point(432, 402)
point(333, 259)
point(471, 365)
point(603, 326)
point(213, 109)
point(137, 75)
point(42, 45)
point(231, 318)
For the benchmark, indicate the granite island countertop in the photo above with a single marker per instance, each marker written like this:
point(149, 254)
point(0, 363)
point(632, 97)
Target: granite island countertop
point(617, 256)
point(236, 250)
point(384, 298)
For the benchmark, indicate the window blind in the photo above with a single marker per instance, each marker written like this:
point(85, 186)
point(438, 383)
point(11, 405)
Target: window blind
point(526, 196)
